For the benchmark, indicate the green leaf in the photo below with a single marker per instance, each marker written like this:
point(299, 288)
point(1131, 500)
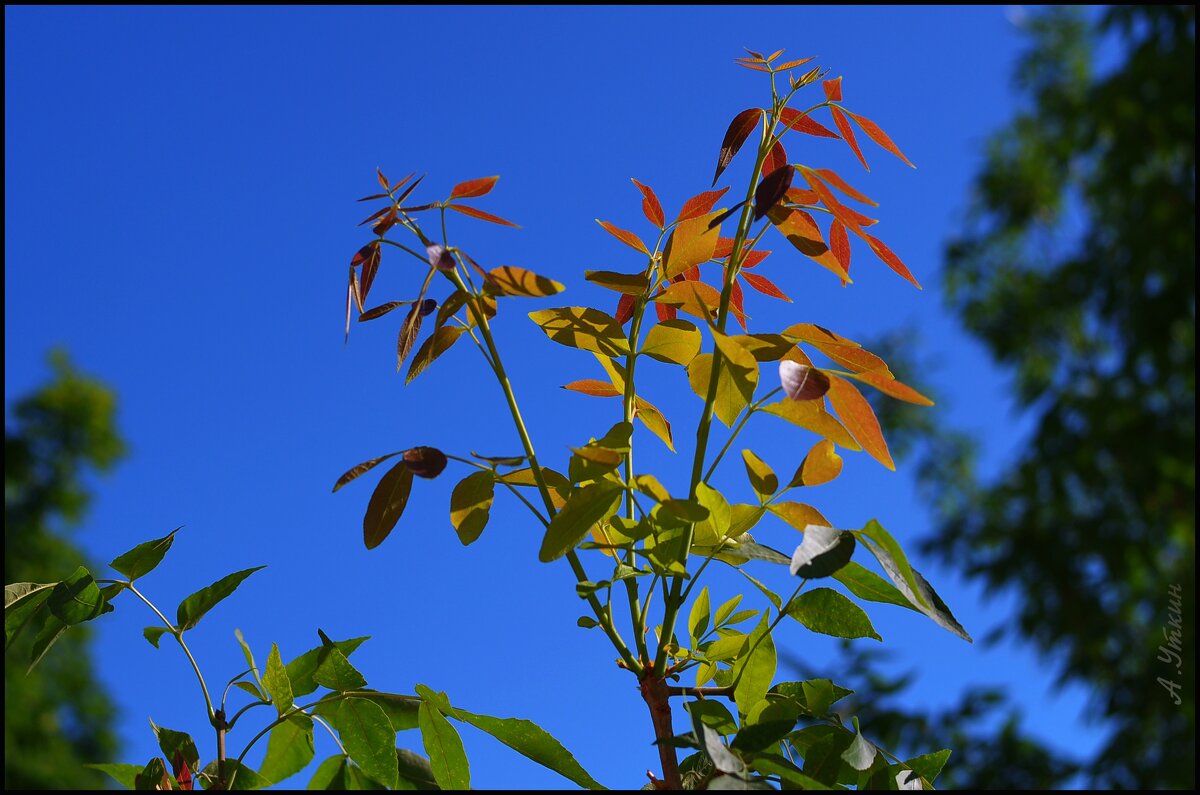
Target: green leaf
point(125, 775)
point(142, 559)
point(929, 766)
point(583, 508)
point(866, 584)
point(815, 696)
point(175, 743)
point(772, 597)
point(743, 517)
point(713, 714)
point(726, 648)
point(414, 771)
point(823, 551)
point(654, 420)
point(151, 776)
point(387, 504)
point(672, 341)
point(252, 689)
point(698, 617)
point(726, 610)
point(533, 742)
point(154, 634)
point(401, 710)
point(21, 601)
point(861, 753)
point(823, 761)
point(238, 776)
point(360, 469)
point(301, 670)
point(826, 611)
point(249, 655)
point(763, 479)
point(755, 670)
point(471, 504)
point(277, 684)
point(330, 774)
point(368, 737)
point(583, 328)
point(49, 634)
point(76, 599)
point(447, 759)
point(735, 387)
point(434, 346)
point(714, 528)
point(761, 734)
point(898, 561)
point(192, 609)
point(335, 671)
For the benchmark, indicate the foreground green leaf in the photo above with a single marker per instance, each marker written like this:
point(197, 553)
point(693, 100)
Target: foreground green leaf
point(143, 558)
point(192, 609)
point(533, 742)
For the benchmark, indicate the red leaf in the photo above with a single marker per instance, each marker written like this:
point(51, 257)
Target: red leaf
point(651, 206)
point(724, 248)
point(736, 301)
point(665, 312)
point(365, 254)
point(795, 120)
point(425, 462)
point(409, 330)
point(765, 286)
point(776, 158)
point(383, 183)
point(628, 238)
point(480, 214)
point(700, 204)
point(890, 259)
point(839, 243)
point(802, 232)
point(752, 258)
point(757, 55)
point(739, 130)
point(848, 133)
point(370, 268)
point(878, 136)
point(624, 310)
point(831, 176)
point(474, 187)
point(833, 89)
point(772, 188)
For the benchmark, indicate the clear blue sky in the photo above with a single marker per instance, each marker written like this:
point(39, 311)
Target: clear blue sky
point(179, 213)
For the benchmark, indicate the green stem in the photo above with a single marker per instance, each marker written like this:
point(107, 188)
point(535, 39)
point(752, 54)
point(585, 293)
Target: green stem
point(636, 613)
point(738, 429)
point(178, 635)
point(481, 322)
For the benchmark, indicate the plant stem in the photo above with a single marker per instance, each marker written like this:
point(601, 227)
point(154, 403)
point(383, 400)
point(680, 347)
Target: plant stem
point(631, 588)
point(657, 694)
point(178, 635)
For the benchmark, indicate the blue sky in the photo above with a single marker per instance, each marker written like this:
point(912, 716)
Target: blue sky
point(179, 212)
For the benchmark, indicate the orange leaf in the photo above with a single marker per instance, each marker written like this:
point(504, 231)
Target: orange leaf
point(739, 130)
point(473, 187)
point(693, 242)
point(754, 257)
point(801, 196)
point(776, 158)
point(839, 243)
point(792, 64)
point(855, 412)
point(821, 465)
point(628, 238)
point(878, 136)
point(651, 206)
point(593, 387)
point(802, 232)
point(480, 214)
point(756, 67)
point(818, 335)
point(848, 133)
point(773, 56)
point(695, 298)
point(830, 176)
point(795, 120)
point(765, 286)
point(724, 248)
point(383, 181)
point(700, 204)
point(892, 388)
point(890, 259)
point(833, 89)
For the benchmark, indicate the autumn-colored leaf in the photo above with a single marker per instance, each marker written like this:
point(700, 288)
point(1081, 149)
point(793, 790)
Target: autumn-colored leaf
point(774, 55)
point(628, 238)
point(381, 310)
point(654, 420)
point(651, 206)
point(593, 387)
point(848, 133)
point(366, 254)
point(856, 413)
point(387, 504)
point(765, 286)
point(439, 257)
point(473, 187)
point(792, 64)
point(425, 462)
point(891, 260)
point(891, 387)
point(664, 312)
point(878, 136)
point(360, 469)
point(833, 89)
point(626, 283)
point(511, 280)
point(795, 120)
point(812, 416)
point(387, 222)
point(480, 214)
point(624, 311)
point(802, 196)
point(370, 268)
point(772, 188)
point(737, 304)
point(438, 343)
point(409, 330)
point(776, 158)
point(831, 176)
point(752, 258)
point(755, 67)
point(400, 199)
point(802, 232)
point(696, 298)
point(700, 204)
point(584, 328)
point(692, 243)
point(821, 465)
point(739, 130)
point(839, 244)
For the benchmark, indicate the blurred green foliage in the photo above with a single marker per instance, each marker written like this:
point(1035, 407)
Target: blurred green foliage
point(58, 717)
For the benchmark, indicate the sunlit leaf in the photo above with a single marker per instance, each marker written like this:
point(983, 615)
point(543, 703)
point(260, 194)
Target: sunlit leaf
point(700, 204)
point(142, 559)
point(473, 187)
point(409, 330)
point(447, 758)
point(192, 609)
point(584, 508)
point(367, 735)
point(839, 244)
point(795, 120)
point(847, 132)
point(791, 64)
point(333, 669)
point(275, 680)
point(891, 387)
point(776, 159)
point(629, 284)
point(626, 237)
point(511, 280)
point(878, 136)
point(811, 415)
point(802, 232)
point(672, 341)
point(696, 298)
point(583, 328)
point(593, 387)
point(387, 504)
point(471, 504)
point(651, 206)
point(739, 130)
point(735, 385)
point(654, 420)
point(289, 749)
point(301, 670)
point(699, 616)
point(890, 259)
point(480, 214)
point(831, 176)
point(125, 775)
point(866, 584)
point(692, 243)
point(764, 286)
point(756, 669)
point(826, 611)
point(381, 310)
point(833, 89)
point(821, 465)
point(762, 478)
point(856, 413)
point(434, 346)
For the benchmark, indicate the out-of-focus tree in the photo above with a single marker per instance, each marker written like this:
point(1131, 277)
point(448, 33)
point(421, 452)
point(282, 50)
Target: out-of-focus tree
point(58, 717)
point(1076, 269)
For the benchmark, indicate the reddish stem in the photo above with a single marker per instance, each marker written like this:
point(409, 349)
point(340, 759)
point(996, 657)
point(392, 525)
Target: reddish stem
point(657, 694)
